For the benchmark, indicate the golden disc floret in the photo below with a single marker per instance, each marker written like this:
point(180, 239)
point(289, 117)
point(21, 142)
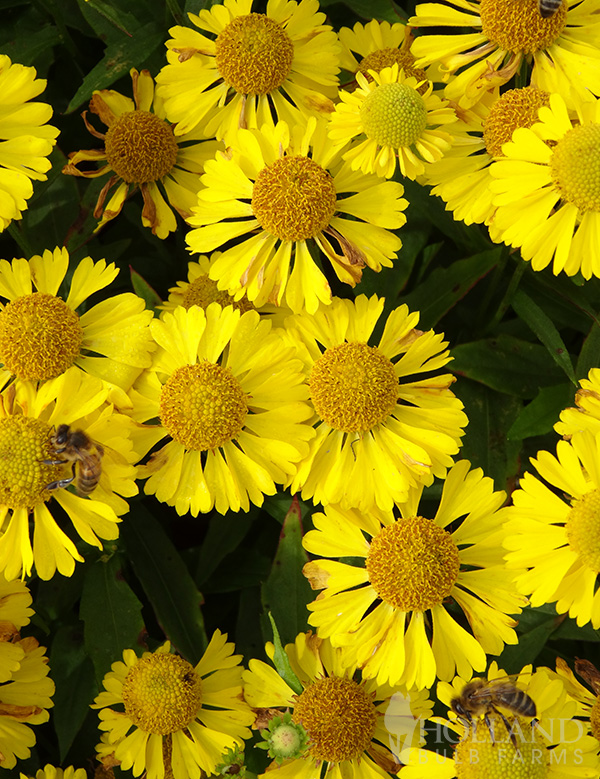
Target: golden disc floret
point(575, 167)
point(140, 147)
point(203, 291)
point(583, 529)
point(413, 564)
point(40, 336)
point(294, 198)
point(25, 444)
point(515, 108)
point(353, 387)
point(517, 26)
point(254, 54)
point(162, 693)
point(339, 717)
point(394, 115)
point(385, 58)
point(203, 406)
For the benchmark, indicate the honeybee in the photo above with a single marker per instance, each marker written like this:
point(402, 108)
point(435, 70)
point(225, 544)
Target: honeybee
point(481, 697)
point(77, 447)
point(548, 8)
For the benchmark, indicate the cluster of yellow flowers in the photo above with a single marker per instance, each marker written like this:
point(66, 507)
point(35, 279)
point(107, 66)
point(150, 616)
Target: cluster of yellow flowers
point(254, 377)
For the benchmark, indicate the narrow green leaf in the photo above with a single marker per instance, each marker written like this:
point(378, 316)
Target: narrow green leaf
point(143, 290)
point(281, 661)
point(589, 356)
point(110, 13)
point(539, 416)
point(544, 328)
point(531, 643)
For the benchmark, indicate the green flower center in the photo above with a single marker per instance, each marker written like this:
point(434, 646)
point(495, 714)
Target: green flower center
point(24, 445)
point(339, 717)
point(162, 693)
point(254, 54)
point(385, 58)
point(353, 387)
point(575, 167)
point(517, 26)
point(204, 291)
point(40, 336)
point(583, 529)
point(294, 198)
point(203, 406)
point(413, 564)
point(515, 108)
point(394, 115)
point(140, 147)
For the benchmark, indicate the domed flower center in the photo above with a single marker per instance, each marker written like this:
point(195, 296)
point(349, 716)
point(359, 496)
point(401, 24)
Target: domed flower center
point(413, 564)
point(294, 198)
point(595, 719)
point(583, 529)
point(40, 336)
point(394, 115)
point(385, 58)
point(339, 717)
point(140, 147)
point(517, 26)
point(477, 756)
point(254, 54)
point(203, 406)
point(25, 444)
point(515, 108)
point(353, 387)
point(204, 291)
point(162, 693)
point(575, 167)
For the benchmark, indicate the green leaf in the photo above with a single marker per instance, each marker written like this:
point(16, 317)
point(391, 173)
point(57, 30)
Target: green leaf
point(166, 582)
point(544, 328)
point(384, 10)
point(531, 644)
point(225, 534)
point(589, 356)
point(539, 416)
point(111, 14)
point(281, 661)
point(143, 290)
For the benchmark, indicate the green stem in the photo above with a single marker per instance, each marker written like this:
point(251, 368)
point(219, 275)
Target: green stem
point(20, 239)
point(176, 11)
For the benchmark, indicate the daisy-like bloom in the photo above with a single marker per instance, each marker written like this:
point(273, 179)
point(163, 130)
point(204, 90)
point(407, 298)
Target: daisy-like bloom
point(565, 47)
point(354, 725)
point(384, 422)
point(547, 198)
point(388, 118)
point(586, 413)
point(24, 700)
point(589, 702)
point(42, 336)
point(30, 465)
point(556, 538)
point(167, 717)
point(15, 600)
point(140, 150)
point(51, 772)
point(231, 399)
point(389, 608)
point(289, 189)
point(557, 747)
point(25, 139)
point(462, 177)
point(259, 68)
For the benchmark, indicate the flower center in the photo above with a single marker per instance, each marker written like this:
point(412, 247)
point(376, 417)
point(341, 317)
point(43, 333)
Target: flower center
point(294, 198)
point(203, 406)
point(385, 58)
point(575, 167)
point(583, 529)
point(204, 291)
point(140, 147)
point(162, 693)
point(517, 26)
point(413, 564)
point(353, 387)
point(254, 54)
point(24, 445)
point(595, 719)
point(40, 336)
point(394, 115)
point(339, 717)
point(477, 756)
point(515, 108)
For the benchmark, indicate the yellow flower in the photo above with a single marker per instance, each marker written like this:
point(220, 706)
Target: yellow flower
point(31, 472)
point(140, 150)
point(556, 537)
point(51, 772)
point(291, 196)
point(25, 139)
point(15, 600)
point(172, 718)
point(383, 424)
point(565, 47)
point(586, 415)
point(547, 190)
point(588, 702)
point(389, 117)
point(230, 397)
point(355, 727)
point(388, 611)
point(259, 68)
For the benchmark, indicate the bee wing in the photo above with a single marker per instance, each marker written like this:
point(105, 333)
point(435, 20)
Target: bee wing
point(507, 682)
